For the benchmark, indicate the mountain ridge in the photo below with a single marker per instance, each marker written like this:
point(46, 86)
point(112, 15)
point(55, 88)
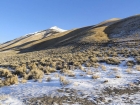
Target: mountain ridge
point(56, 37)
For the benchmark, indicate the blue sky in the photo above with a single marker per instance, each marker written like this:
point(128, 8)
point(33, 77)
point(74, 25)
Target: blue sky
point(20, 17)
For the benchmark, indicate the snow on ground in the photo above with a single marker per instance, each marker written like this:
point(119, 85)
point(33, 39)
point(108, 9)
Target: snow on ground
point(82, 81)
point(7, 100)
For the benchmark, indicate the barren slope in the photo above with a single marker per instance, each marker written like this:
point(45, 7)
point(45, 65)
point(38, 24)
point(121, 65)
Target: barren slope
point(102, 32)
point(124, 28)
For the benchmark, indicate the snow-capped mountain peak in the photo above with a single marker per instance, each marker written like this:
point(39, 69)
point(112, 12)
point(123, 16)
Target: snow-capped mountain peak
point(57, 29)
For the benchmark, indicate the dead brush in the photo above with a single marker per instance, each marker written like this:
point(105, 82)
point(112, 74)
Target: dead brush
point(46, 71)
point(103, 67)
point(95, 76)
point(114, 69)
point(70, 73)
point(118, 76)
point(5, 73)
point(56, 75)
point(89, 72)
point(96, 65)
point(48, 79)
point(36, 74)
point(50, 70)
point(11, 80)
point(23, 80)
point(1, 82)
point(94, 59)
point(63, 80)
point(88, 64)
point(81, 68)
point(105, 81)
point(39, 80)
point(138, 67)
point(129, 71)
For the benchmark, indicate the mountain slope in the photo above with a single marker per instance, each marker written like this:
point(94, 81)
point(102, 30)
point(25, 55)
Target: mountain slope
point(31, 38)
point(107, 30)
point(124, 28)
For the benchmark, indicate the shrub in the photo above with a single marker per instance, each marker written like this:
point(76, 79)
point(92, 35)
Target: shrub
point(70, 73)
point(89, 72)
point(88, 64)
point(56, 75)
point(103, 67)
point(138, 67)
point(114, 69)
point(11, 80)
point(95, 76)
point(117, 76)
point(113, 61)
point(1, 83)
point(51, 70)
point(48, 70)
point(105, 81)
point(23, 80)
point(128, 70)
point(130, 63)
point(48, 79)
point(63, 80)
point(138, 60)
point(93, 59)
point(96, 65)
point(5, 73)
point(36, 74)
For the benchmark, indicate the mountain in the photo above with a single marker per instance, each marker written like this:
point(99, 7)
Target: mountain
point(112, 29)
point(31, 37)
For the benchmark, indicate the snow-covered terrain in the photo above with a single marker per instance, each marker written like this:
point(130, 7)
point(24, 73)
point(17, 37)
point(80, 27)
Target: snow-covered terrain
point(83, 82)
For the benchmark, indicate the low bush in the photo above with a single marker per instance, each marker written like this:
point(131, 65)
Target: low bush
point(95, 76)
point(138, 67)
point(36, 74)
point(48, 79)
point(130, 63)
point(5, 73)
point(63, 80)
point(11, 80)
point(113, 61)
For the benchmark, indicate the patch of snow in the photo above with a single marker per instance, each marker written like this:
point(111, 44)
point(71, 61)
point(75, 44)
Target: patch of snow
point(8, 100)
point(57, 29)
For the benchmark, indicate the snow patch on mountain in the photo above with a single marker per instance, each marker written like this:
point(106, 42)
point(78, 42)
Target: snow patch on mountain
point(42, 33)
point(57, 29)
